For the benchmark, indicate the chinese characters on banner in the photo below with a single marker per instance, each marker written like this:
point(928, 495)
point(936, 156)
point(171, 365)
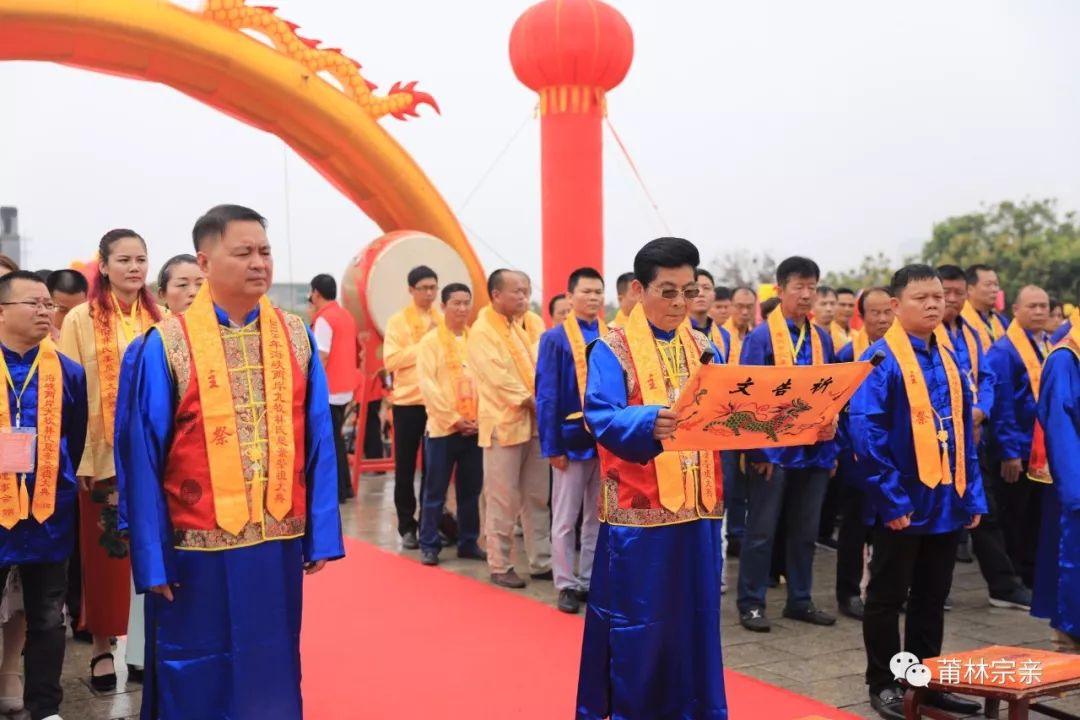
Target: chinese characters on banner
point(1005, 667)
point(742, 407)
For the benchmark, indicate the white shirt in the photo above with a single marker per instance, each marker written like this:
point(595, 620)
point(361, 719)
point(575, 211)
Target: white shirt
point(324, 336)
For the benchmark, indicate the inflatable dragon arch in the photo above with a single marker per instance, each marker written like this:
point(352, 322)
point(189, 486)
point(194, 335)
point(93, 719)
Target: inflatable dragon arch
point(279, 86)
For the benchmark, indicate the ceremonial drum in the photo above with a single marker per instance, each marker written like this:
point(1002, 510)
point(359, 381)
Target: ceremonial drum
point(375, 285)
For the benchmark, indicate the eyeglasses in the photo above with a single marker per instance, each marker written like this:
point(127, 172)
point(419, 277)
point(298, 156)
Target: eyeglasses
point(46, 305)
point(671, 293)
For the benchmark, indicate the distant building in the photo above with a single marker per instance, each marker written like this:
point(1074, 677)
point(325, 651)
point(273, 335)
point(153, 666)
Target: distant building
point(9, 234)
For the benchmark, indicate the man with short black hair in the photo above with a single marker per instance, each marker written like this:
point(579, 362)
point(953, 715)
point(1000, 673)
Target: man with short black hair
point(68, 288)
point(699, 314)
point(624, 289)
point(720, 312)
point(404, 330)
point(845, 310)
point(736, 489)
point(912, 431)
point(559, 306)
point(791, 478)
point(564, 438)
point(338, 341)
point(43, 419)
point(983, 289)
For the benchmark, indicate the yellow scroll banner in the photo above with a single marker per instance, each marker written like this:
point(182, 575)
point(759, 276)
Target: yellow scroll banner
point(743, 407)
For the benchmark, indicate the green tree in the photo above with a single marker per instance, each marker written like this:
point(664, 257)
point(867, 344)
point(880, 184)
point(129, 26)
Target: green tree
point(874, 270)
point(1029, 243)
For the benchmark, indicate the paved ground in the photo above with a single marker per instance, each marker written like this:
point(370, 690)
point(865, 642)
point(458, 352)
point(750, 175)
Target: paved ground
point(824, 663)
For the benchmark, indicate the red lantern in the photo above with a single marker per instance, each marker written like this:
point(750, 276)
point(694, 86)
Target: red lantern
point(571, 52)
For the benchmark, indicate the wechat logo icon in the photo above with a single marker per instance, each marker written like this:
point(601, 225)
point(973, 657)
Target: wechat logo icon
point(905, 666)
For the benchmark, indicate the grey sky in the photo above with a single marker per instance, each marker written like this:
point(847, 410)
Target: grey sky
point(829, 128)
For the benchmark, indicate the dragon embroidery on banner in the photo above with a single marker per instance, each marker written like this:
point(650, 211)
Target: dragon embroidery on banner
point(783, 419)
point(400, 103)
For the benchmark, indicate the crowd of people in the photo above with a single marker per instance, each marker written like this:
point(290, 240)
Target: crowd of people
point(173, 458)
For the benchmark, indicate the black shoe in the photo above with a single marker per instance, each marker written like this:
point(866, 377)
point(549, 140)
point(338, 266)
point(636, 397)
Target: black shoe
point(889, 703)
point(471, 552)
point(429, 557)
point(1019, 599)
point(852, 607)
point(582, 595)
point(82, 636)
point(810, 614)
point(568, 601)
point(135, 674)
point(734, 548)
point(754, 620)
point(952, 703)
point(409, 541)
point(547, 575)
point(963, 553)
point(508, 579)
point(102, 683)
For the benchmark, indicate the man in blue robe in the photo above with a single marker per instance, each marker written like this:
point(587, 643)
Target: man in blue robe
point(652, 628)
point(38, 540)
point(1057, 572)
point(916, 448)
point(788, 481)
point(223, 603)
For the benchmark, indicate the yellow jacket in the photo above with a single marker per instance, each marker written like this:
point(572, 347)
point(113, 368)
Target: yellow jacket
point(399, 358)
point(502, 393)
point(436, 385)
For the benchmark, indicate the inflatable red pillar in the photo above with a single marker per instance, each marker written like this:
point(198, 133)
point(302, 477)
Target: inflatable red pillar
point(571, 52)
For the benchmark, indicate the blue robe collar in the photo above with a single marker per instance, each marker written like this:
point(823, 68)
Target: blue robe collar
point(703, 330)
point(665, 335)
point(594, 325)
point(10, 356)
point(223, 317)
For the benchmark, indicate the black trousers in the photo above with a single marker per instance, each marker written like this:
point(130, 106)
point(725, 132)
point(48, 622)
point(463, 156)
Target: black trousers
point(1021, 514)
point(373, 444)
point(44, 588)
point(830, 508)
point(915, 568)
point(337, 419)
point(852, 538)
point(74, 583)
point(988, 540)
point(409, 424)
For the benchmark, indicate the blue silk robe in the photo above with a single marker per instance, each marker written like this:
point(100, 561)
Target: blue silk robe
point(706, 330)
point(1056, 593)
point(1061, 332)
point(1013, 418)
point(558, 397)
point(881, 434)
point(652, 626)
point(228, 646)
point(29, 541)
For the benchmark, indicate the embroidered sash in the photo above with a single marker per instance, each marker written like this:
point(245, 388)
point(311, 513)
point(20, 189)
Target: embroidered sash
point(107, 347)
point(968, 334)
point(860, 341)
point(577, 348)
point(1020, 341)
point(519, 346)
point(14, 500)
point(671, 478)
point(988, 334)
point(219, 415)
point(464, 388)
point(735, 349)
point(784, 353)
point(933, 464)
point(1038, 463)
point(418, 323)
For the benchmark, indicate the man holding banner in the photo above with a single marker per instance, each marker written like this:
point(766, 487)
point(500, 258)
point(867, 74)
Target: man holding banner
point(564, 439)
point(792, 478)
point(912, 429)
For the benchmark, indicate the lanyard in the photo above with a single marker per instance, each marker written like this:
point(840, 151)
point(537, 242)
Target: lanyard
point(127, 322)
point(19, 393)
point(799, 344)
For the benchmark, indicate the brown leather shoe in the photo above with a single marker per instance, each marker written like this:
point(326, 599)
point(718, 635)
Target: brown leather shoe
point(508, 579)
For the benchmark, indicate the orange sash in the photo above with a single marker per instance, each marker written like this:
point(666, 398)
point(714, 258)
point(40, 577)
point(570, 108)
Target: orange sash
point(945, 339)
point(933, 464)
point(14, 500)
point(860, 341)
point(219, 416)
point(620, 319)
point(1038, 463)
point(673, 476)
point(577, 348)
point(519, 346)
point(1038, 471)
point(534, 328)
point(418, 324)
point(107, 347)
point(784, 353)
point(718, 339)
point(464, 387)
point(840, 337)
point(987, 335)
point(736, 343)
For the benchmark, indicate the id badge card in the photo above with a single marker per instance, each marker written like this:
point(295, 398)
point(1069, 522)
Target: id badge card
point(18, 449)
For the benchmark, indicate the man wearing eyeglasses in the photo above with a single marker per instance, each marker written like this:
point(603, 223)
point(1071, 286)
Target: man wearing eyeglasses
point(43, 418)
point(404, 331)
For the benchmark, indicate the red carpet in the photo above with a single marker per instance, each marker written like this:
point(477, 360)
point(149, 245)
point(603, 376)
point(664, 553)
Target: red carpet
point(386, 638)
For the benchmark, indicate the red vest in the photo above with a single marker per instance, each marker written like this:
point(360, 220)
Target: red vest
point(629, 493)
point(342, 364)
point(188, 492)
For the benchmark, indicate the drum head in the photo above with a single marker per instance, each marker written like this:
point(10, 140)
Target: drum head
point(375, 285)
